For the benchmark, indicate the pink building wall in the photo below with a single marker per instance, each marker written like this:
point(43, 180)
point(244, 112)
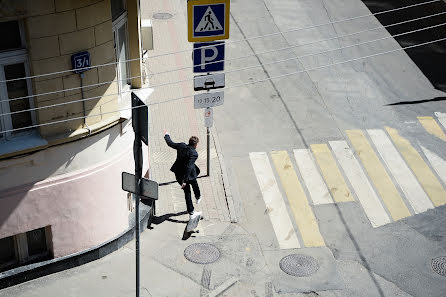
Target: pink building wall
point(84, 208)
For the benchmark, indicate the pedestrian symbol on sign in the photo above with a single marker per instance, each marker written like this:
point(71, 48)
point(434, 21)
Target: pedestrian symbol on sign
point(209, 22)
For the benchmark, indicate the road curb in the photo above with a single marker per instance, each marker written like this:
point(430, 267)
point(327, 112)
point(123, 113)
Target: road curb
point(224, 173)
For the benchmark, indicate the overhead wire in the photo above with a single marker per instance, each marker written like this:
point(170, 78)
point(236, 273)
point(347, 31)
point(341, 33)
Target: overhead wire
point(229, 60)
point(226, 72)
point(229, 42)
point(231, 87)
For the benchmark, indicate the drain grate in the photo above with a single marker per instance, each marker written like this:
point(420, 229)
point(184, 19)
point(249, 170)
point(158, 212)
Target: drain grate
point(162, 16)
point(299, 265)
point(439, 265)
point(202, 253)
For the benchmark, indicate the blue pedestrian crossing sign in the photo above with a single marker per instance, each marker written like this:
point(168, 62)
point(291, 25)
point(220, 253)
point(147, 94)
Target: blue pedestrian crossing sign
point(208, 20)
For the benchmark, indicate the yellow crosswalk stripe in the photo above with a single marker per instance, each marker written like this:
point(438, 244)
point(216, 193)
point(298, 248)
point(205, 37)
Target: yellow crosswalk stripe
point(330, 171)
point(427, 179)
point(303, 214)
point(378, 175)
point(432, 127)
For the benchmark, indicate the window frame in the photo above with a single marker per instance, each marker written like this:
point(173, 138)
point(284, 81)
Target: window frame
point(21, 250)
point(124, 5)
point(13, 262)
point(117, 24)
point(11, 58)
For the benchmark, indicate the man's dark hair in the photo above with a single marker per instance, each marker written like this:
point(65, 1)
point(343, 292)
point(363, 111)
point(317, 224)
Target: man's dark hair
point(193, 140)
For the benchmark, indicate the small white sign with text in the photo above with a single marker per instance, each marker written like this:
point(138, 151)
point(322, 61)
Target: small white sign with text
point(208, 100)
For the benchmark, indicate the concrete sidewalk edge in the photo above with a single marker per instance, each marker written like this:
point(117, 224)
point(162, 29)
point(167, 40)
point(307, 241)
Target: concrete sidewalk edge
point(226, 186)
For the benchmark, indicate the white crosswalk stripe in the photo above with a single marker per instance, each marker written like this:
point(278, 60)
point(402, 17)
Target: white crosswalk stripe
point(437, 163)
point(316, 167)
point(360, 183)
point(313, 180)
point(274, 202)
point(413, 191)
point(441, 118)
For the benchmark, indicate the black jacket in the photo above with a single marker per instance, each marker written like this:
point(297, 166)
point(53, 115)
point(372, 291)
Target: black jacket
point(184, 167)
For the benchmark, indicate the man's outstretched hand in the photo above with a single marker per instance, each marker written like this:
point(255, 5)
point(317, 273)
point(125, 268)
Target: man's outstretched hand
point(165, 132)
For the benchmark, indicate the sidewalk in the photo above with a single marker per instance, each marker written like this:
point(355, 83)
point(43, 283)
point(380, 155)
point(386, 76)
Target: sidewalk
point(180, 119)
point(164, 269)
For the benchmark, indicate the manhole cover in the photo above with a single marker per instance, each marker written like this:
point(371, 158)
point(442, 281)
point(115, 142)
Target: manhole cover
point(439, 265)
point(298, 265)
point(162, 16)
point(202, 253)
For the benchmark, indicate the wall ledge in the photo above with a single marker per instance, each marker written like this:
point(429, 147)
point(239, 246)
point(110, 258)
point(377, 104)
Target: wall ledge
point(66, 138)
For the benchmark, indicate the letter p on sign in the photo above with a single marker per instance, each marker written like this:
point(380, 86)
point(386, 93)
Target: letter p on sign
point(209, 56)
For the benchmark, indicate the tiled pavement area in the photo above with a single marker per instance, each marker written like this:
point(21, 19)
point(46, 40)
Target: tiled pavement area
point(179, 118)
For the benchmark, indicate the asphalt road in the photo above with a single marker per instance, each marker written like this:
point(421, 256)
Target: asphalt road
point(320, 106)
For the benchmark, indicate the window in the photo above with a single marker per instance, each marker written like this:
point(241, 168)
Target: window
point(11, 35)
point(12, 68)
point(7, 253)
point(13, 65)
point(36, 242)
point(121, 49)
point(25, 248)
point(117, 8)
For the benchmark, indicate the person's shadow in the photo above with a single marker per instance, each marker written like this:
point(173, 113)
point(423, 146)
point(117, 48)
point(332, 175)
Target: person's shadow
point(169, 217)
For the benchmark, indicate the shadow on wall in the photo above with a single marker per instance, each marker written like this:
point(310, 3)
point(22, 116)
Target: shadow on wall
point(52, 32)
point(27, 171)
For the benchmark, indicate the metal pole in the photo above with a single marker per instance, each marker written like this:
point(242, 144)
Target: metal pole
point(82, 93)
point(137, 152)
point(208, 152)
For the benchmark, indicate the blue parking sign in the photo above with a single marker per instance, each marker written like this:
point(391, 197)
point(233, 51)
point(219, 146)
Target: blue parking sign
point(208, 20)
point(209, 56)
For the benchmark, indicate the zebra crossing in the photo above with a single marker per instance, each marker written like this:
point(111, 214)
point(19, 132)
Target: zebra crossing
point(377, 168)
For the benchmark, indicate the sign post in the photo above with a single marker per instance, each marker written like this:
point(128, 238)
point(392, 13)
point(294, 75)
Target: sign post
point(208, 21)
point(140, 115)
point(208, 118)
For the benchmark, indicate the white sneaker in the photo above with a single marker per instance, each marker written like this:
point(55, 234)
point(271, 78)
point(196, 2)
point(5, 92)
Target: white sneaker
point(198, 199)
point(194, 215)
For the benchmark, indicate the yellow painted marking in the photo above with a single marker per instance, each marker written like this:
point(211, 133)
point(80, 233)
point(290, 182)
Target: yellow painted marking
point(303, 214)
point(378, 174)
point(427, 179)
point(330, 171)
point(432, 127)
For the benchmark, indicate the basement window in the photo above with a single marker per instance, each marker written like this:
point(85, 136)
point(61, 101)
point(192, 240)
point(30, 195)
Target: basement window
point(25, 248)
point(7, 253)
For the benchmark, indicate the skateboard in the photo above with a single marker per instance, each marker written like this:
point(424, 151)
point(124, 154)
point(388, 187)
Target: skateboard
point(192, 225)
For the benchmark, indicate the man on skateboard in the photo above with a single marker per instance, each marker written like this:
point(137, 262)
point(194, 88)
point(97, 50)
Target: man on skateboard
point(186, 173)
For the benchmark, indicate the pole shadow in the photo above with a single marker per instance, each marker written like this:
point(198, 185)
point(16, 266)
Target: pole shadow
point(417, 101)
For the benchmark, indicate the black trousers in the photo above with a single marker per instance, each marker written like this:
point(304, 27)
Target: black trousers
point(188, 196)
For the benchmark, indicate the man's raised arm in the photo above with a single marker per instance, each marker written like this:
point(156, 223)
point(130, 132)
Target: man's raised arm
point(169, 141)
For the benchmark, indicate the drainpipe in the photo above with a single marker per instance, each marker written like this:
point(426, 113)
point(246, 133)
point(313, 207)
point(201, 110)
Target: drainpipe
point(83, 104)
